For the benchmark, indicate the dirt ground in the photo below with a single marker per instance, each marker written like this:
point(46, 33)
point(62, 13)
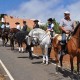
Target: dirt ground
point(2, 77)
point(66, 58)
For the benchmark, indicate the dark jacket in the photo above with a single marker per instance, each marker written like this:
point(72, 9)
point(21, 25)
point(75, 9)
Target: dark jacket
point(36, 26)
point(24, 28)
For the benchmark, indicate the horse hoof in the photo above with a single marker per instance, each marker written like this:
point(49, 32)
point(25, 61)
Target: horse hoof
point(47, 63)
point(56, 73)
point(19, 51)
point(22, 51)
point(43, 62)
point(31, 58)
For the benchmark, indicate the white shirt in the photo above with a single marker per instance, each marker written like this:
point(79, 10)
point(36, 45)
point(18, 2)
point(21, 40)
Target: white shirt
point(18, 27)
point(2, 26)
point(51, 27)
point(67, 24)
point(2, 20)
point(7, 26)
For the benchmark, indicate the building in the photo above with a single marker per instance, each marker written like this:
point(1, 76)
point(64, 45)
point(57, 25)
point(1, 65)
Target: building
point(12, 20)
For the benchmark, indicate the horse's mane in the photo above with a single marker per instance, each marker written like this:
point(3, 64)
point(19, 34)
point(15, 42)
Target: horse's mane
point(76, 29)
point(37, 30)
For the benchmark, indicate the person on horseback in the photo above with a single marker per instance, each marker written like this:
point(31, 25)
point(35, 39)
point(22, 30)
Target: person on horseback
point(7, 25)
point(24, 26)
point(18, 25)
point(66, 26)
point(36, 25)
point(50, 32)
point(50, 26)
point(3, 26)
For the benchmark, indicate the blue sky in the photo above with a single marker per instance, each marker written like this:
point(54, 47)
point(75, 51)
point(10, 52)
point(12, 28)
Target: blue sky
point(40, 9)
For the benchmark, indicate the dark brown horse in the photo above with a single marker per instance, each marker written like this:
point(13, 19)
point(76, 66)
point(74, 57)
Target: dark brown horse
point(12, 33)
point(72, 47)
point(4, 35)
point(1, 31)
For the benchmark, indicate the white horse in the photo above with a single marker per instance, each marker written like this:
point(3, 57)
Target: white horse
point(39, 37)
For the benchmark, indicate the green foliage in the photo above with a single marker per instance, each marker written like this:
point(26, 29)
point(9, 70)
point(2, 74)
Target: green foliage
point(0, 24)
point(28, 29)
point(56, 26)
point(44, 27)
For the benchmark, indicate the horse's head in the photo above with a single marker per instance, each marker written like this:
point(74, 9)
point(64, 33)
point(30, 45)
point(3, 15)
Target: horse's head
point(34, 36)
point(77, 31)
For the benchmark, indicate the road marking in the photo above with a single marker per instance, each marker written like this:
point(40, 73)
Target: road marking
point(7, 71)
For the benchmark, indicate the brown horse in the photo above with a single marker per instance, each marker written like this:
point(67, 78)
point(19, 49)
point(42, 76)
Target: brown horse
point(12, 33)
point(72, 47)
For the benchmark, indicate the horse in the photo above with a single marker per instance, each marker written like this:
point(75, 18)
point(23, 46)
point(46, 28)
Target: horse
point(4, 35)
point(0, 31)
point(12, 37)
point(39, 37)
point(20, 38)
point(72, 48)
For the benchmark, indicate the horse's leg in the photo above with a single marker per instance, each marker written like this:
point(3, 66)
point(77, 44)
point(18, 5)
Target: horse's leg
point(57, 60)
point(43, 54)
point(12, 44)
point(3, 41)
point(7, 40)
point(30, 52)
point(71, 62)
point(46, 54)
point(61, 59)
point(22, 47)
point(19, 47)
point(78, 66)
point(49, 51)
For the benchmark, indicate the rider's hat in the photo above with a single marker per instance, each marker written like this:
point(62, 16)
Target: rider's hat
point(36, 20)
point(17, 23)
point(24, 21)
point(50, 19)
point(66, 12)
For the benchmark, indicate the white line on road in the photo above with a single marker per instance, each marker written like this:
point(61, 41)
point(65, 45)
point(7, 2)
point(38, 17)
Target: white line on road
point(7, 71)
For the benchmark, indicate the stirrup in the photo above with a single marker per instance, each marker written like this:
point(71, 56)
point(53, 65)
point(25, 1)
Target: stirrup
point(62, 43)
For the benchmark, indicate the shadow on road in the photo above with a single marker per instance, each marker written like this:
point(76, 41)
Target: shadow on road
point(38, 62)
point(67, 73)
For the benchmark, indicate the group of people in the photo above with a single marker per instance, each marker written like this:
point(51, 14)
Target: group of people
point(66, 26)
point(5, 25)
point(24, 28)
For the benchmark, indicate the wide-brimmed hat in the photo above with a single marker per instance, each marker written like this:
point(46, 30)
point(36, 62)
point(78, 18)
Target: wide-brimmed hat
point(66, 12)
point(17, 23)
point(36, 20)
point(50, 19)
point(24, 21)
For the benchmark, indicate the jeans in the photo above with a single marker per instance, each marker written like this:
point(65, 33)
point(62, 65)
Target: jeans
point(63, 38)
point(51, 33)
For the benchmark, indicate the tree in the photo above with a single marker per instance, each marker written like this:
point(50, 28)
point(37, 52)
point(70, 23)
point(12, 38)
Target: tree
point(56, 26)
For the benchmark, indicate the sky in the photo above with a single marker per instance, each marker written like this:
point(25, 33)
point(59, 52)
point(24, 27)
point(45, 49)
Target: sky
point(41, 9)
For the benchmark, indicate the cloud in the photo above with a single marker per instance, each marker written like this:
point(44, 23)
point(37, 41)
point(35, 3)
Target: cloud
point(74, 9)
point(43, 9)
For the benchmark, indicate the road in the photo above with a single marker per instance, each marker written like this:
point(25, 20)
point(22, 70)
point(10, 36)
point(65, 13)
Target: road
point(22, 68)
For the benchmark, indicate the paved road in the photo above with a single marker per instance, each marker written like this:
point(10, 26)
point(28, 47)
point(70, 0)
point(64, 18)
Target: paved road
point(21, 68)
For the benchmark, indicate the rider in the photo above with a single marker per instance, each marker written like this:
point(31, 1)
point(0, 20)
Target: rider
point(50, 26)
point(18, 25)
point(7, 25)
point(24, 26)
point(3, 26)
point(50, 30)
point(66, 25)
point(36, 25)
